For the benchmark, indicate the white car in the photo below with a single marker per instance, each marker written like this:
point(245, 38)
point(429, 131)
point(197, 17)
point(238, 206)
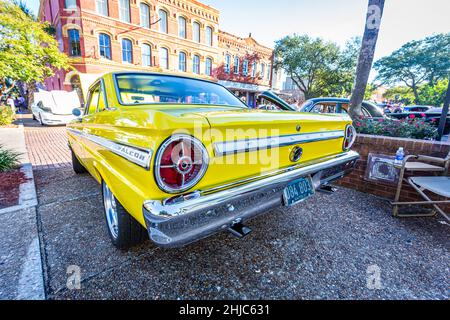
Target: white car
point(54, 107)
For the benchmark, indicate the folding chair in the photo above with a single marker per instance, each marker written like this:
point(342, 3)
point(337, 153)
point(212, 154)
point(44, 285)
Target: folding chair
point(438, 185)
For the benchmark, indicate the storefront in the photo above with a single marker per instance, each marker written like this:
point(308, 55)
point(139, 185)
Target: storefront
point(245, 91)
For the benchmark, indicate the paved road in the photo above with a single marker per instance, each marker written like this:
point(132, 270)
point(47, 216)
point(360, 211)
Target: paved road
point(47, 146)
point(329, 247)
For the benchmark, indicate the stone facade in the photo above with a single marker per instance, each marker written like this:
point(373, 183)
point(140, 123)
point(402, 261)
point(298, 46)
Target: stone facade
point(154, 41)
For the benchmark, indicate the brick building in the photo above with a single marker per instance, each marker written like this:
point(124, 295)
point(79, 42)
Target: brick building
point(174, 36)
point(246, 66)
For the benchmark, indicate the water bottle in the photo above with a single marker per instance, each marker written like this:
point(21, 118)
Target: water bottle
point(400, 156)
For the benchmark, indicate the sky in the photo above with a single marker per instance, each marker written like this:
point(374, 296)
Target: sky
point(333, 20)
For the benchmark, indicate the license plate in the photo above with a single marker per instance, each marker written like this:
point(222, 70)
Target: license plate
point(298, 191)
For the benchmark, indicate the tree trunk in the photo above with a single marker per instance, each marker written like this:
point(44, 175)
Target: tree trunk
point(416, 95)
point(444, 114)
point(366, 56)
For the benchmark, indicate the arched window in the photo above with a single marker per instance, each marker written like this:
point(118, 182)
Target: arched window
point(145, 15)
point(182, 27)
point(102, 7)
point(196, 32)
point(182, 61)
point(245, 68)
point(74, 42)
point(105, 46)
point(163, 21)
point(124, 10)
point(237, 63)
point(196, 64)
point(70, 4)
point(208, 66)
point(127, 51)
point(227, 63)
point(263, 70)
point(209, 36)
point(269, 69)
point(146, 52)
point(164, 58)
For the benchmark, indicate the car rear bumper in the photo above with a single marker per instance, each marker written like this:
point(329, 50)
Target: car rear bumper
point(182, 220)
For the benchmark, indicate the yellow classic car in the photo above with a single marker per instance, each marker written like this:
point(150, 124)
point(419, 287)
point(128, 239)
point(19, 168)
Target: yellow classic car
point(180, 159)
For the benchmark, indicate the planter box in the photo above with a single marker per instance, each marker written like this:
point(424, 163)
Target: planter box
point(366, 144)
point(21, 192)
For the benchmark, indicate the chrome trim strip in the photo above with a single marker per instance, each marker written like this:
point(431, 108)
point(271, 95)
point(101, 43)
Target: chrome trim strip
point(141, 157)
point(234, 147)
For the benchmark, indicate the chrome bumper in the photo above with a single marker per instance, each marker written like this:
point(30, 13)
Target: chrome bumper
point(182, 220)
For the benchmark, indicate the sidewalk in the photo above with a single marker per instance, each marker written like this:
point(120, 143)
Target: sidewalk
point(20, 257)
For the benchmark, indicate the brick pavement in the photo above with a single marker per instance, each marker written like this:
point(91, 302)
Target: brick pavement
point(47, 146)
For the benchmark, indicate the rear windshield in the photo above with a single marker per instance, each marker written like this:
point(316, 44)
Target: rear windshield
point(136, 89)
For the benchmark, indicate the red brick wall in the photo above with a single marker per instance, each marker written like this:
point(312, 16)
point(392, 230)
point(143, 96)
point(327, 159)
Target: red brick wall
point(366, 144)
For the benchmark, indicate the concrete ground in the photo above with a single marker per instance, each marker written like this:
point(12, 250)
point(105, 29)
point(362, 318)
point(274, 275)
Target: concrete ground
point(20, 260)
point(341, 246)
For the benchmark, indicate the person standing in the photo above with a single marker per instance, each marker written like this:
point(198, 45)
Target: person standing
point(10, 101)
point(22, 106)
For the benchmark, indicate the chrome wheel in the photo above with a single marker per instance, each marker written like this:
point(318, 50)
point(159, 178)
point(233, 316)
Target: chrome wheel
point(110, 211)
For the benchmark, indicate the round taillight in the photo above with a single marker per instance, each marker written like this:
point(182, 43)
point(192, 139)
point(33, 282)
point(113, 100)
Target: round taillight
point(350, 137)
point(180, 164)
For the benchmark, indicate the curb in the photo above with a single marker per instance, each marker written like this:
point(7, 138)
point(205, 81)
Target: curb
point(31, 280)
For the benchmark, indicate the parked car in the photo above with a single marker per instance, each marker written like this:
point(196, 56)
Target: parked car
point(54, 107)
point(340, 105)
point(416, 109)
point(180, 159)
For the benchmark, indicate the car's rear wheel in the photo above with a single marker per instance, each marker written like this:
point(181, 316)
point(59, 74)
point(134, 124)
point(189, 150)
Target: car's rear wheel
point(78, 168)
point(125, 232)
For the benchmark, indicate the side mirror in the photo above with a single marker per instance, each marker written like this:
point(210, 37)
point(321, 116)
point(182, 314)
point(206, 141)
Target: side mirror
point(76, 112)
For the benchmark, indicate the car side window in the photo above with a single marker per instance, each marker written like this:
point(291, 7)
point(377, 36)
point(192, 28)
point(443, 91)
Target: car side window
point(324, 108)
point(93, 100)
point(344, 108)
point(317, 108)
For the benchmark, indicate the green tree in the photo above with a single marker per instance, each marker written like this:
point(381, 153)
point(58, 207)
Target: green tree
point(429, 94)
point(318, 68)
point(434, 94)
point(28, 52)
point(417, 63)
point(401, 94)
point(338, 80)
point(373, 22)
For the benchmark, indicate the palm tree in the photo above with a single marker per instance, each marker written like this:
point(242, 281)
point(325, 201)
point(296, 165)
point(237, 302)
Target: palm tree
point(366, 55)
point(445, 109)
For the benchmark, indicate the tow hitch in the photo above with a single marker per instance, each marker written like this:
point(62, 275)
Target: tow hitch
point(327, 189)
point(239, 230)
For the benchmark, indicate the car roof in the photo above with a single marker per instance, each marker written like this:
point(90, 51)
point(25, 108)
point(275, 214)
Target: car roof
point(152, 73)
point(330, 99)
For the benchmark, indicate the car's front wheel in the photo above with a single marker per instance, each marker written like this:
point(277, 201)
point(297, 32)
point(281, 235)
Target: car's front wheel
point(125, 232)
